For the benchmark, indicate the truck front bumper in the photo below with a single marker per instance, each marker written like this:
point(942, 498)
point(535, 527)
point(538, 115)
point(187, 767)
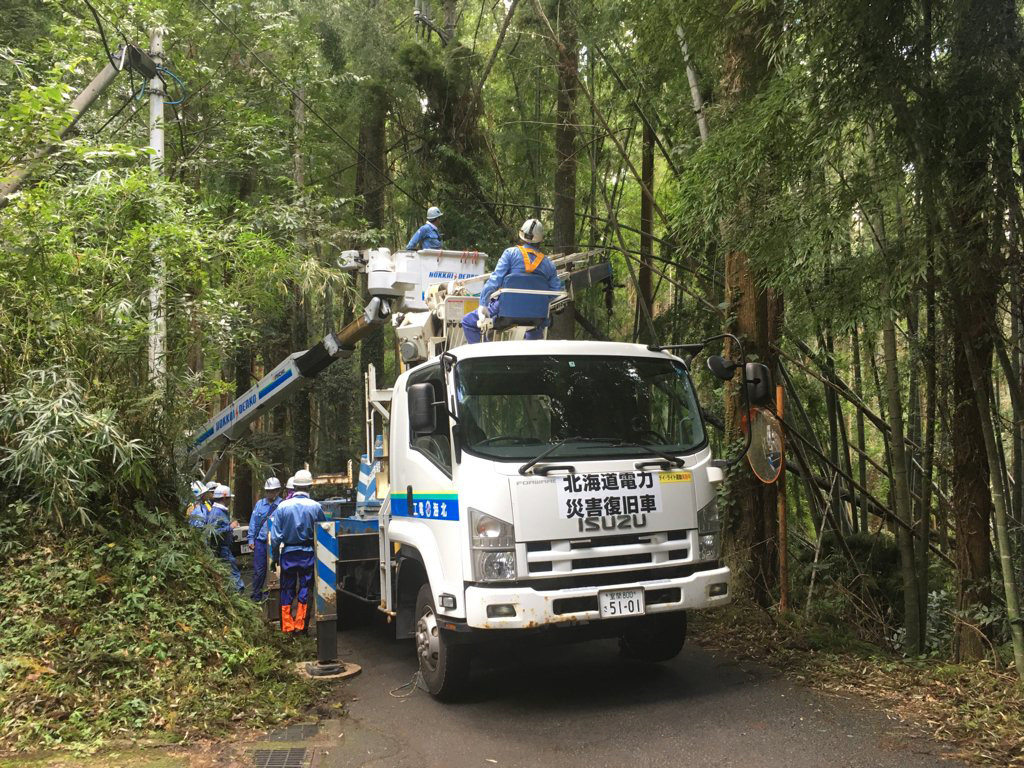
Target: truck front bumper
point(536, 608)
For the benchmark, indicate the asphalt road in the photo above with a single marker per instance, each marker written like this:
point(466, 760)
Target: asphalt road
point(580, 705)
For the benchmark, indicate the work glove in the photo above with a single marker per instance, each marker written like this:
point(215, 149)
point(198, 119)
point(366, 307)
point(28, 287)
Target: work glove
point(485, 325)
point(483, 312)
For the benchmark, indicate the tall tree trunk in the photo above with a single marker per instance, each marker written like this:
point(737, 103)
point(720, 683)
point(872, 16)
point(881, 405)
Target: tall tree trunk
point(901, 490)
point(563, 239)
point(243, 474)
point(370, 185)
point(751, 535)
point(983, 39)
point(858, 388)
point(301, 402)
point(645, 287)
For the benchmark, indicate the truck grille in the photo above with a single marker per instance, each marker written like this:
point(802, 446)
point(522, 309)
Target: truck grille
point(607, 554)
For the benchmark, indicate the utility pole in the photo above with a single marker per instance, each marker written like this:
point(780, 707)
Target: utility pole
point(157, 316)
point(691, 76)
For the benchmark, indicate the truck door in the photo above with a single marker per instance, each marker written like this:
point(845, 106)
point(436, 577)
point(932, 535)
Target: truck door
point(423, 462)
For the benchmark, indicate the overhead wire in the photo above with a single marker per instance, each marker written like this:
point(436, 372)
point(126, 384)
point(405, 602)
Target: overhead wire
point(103, 35)
point(295, 94)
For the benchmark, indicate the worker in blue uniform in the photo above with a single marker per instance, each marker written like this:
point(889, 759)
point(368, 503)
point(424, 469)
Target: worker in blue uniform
point(202, 498)
point(258, 535)
point(215, 521)
point(429, 235)
point(292, 537)
point(199, 510)
point(519, 259)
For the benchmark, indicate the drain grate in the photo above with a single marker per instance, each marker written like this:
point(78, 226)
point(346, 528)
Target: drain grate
point(281, 758)
point(296, 732)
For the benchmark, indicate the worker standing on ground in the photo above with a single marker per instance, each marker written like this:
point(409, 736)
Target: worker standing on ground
point(197, 490)
point(289, 488)
point(292, 537)
point(198, 511)
point(215, 521)
point(516, 260)
point(429, 235)
point(203, 499)
point(258, 535)
point(221, 524)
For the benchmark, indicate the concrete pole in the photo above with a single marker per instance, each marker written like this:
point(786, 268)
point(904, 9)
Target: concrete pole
point(157, 316)
point(691, 76)
point(13, 181)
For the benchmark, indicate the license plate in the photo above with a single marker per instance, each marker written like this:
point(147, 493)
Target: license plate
point(246, 550)
point(621, 602)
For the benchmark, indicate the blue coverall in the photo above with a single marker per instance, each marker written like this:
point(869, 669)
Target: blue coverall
point(517, 260)
point(292, 535)
point(427, 236)
point(258, 544)
point(216, 520)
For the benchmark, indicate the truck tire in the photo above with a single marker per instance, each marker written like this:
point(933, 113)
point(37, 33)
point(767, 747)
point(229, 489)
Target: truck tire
point(444, 665)
point(655, 638)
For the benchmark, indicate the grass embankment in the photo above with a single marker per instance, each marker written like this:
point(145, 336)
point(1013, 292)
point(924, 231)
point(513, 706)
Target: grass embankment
point(128, 635)
point(974, 706)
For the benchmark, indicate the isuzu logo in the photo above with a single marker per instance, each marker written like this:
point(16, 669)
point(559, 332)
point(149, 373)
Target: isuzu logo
point(611, 523)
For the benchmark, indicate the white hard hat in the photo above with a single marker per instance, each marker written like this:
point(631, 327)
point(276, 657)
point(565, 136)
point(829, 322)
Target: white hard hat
point(290, 485)
point(303, 478)
point(532, 231)
point(433, 212)
point(222, 492)
point(198, 488)
point(272, 484)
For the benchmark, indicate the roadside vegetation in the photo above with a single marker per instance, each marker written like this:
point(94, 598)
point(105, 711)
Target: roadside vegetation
point(836, 181)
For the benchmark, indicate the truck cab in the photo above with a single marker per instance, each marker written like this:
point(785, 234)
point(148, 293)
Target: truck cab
point(549, 486)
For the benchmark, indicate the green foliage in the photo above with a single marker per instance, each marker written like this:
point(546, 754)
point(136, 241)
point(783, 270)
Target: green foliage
point(130, 632)
point(64, 459)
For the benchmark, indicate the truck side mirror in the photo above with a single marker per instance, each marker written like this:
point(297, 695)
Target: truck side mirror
point(758, 380)
point(422, 413)
point(721, 368)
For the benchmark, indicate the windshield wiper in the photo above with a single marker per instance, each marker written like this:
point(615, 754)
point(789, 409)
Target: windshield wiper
point(525, 468)
point(675, 460)
point(612, 441)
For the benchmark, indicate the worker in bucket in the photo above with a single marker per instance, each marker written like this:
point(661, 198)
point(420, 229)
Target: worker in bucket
point(522, 258)
point(292, 536)
point(221, 524)
point(429, 235)
point(258, 527)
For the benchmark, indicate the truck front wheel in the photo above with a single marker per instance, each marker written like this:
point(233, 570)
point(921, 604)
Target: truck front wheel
point(444, 665)
point(654, 638)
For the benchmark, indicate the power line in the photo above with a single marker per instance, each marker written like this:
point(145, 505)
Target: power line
point(129, 100)
point(295, 94)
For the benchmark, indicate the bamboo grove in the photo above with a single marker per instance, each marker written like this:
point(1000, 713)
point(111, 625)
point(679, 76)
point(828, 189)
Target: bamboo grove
point(836, 181)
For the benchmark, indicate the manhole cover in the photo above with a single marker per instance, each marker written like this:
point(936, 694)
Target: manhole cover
point(297, 732)
point(281, 758)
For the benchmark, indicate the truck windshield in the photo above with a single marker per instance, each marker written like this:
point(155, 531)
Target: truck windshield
point(511, 407)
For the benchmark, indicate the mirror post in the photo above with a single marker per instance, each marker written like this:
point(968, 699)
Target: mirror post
point(783, 528)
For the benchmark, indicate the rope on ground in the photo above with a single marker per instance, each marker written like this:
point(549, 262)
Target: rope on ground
point(412, 685)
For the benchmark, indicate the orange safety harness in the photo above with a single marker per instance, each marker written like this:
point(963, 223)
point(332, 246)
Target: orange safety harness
point(528, 265)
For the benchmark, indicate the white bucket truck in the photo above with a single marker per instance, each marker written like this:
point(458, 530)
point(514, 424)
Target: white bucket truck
point(525, 487)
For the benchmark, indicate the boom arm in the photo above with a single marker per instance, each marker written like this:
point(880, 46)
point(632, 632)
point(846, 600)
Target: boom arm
point(295, 371)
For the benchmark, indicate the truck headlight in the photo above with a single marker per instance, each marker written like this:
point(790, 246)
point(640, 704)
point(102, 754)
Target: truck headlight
point(708, 532)
point(493, 545)
point(496, 565)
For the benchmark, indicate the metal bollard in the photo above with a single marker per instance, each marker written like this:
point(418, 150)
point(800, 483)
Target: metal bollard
point(326, 583)
point(272, 605)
